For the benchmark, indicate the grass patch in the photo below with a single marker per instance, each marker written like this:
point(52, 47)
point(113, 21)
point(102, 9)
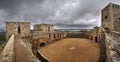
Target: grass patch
point(2, 40)
point(2, 46)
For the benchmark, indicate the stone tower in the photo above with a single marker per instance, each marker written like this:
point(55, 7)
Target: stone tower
point(111, 17)
point(44, 27)
point(17, 28)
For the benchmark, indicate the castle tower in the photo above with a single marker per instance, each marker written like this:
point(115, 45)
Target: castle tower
point(44, 27)
point(111, 17)
point(17, 28)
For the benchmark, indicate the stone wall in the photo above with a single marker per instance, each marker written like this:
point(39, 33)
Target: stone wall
point(115, 35)
point(112, 47)
point(107, 21)
point(18, 50)
point(23, 51)
point(116, 17)
point(111, 17)
point(95, 34)
point(43, 34)
point(8, 55)
point(111, 23)
point(44, 27)
point(117, 26)
point(76, 34)
point(47, 38)
point(102, 55)
point(17, 28)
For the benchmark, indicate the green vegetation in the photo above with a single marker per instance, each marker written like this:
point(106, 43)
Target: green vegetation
point(2, 36)
point(2, 40)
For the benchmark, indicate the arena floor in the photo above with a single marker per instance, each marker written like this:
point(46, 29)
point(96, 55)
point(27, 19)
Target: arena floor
point(71, 50)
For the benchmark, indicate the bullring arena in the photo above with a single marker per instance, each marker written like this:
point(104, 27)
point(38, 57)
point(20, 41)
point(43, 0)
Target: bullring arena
point(47, 45)
point(72, 50)
point(44, 44)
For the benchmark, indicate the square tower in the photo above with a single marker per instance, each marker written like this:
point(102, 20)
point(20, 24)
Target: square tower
point(111, 17)
point(17, 28)
point(44, 27)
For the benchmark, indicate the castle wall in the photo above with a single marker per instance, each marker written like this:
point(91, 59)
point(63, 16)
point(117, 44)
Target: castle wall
point(47, 38)
point(76, 35)
point(116, 17)
point(8, 54)
point(103, 55)
point(96, 34)
point(23, 51)
point(116, 35)
point(117, 26)
point(17, 28)
point(111, 17)
point(112, 35)
point(44, 27)
point(44, 33)
point(107, 18)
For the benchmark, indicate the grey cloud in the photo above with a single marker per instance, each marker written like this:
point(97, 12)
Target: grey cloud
point(80, 12)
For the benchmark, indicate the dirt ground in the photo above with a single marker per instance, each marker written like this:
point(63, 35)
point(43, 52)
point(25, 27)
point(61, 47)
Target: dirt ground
point(72, 50)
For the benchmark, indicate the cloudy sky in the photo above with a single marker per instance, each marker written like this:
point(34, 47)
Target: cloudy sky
point(62, 13)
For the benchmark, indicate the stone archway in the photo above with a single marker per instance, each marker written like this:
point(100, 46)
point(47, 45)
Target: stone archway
point(42, 44)
point(96, 39)
point(54, 36)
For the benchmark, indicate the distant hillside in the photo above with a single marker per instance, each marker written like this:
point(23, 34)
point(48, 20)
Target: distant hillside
point(2, 40)
point(2, 36)
point(2, 29)
point(71, 29)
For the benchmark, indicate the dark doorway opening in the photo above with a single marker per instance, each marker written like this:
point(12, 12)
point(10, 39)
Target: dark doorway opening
point(54, 36)
point(48, 29)
point(96, 39)
point(42, 44)
point(19, 31)
point(106, 17)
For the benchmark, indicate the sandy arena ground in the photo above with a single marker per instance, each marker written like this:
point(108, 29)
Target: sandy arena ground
point(72, 50)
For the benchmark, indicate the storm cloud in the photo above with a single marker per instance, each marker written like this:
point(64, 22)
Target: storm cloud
point(62, 13)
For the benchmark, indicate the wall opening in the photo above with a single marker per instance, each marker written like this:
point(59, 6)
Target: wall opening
point(42, 44)
point(48, 29)
point(54, 36)
point(96, 39)
point(19, 30)
point(106, 17)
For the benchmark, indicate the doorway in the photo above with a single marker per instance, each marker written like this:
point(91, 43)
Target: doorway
point(42, 44)
point(19, 30)
point(96, 39)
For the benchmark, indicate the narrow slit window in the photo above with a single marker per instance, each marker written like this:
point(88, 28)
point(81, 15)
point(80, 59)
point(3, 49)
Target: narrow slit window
point(119, 18)
point(106, 17)
point(19, 31)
